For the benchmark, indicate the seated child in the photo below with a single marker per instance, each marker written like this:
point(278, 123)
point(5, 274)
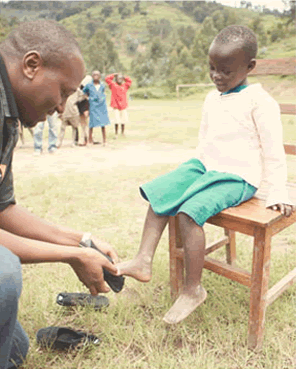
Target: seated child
point(240, 143)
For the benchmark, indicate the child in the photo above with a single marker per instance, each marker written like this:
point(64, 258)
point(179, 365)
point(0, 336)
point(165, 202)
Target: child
point(98, 112)
point(240, 135)
point(119, 98)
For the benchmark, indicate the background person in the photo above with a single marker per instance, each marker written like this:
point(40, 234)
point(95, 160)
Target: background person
point(119, 86)
point(52, 134)
point(98, 112)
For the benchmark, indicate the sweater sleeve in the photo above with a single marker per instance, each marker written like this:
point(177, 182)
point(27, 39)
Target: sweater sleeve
point(109, 80)
point(128, 82)
point(202, 132)
point(267, 118)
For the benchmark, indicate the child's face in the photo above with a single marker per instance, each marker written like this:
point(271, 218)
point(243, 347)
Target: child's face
point(96, 76)
point(228, 66)
point(119, 79)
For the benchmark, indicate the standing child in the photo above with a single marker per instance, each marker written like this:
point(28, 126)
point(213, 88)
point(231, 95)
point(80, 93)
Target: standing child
point(98, 112)
point(119, 98)
point(239, 139)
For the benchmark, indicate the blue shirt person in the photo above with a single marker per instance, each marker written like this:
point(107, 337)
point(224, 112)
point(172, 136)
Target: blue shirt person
point(98, 112)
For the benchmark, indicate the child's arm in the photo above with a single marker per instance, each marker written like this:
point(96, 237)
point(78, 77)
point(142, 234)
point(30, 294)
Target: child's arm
point(268, 121)
point(109, 80)
point(128, 82)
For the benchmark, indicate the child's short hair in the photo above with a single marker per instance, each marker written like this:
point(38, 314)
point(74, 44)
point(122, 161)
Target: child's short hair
point(244, 35)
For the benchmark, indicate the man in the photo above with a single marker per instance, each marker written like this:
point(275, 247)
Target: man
point(52, 121)
point(40, 66)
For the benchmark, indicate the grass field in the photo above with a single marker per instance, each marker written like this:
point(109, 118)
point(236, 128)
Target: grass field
point(106, 202)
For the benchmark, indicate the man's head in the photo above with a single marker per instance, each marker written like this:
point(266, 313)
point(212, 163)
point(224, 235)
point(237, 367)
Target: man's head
point(45, 66)
point(119, 78)
point(232, 56)
point(96, 76)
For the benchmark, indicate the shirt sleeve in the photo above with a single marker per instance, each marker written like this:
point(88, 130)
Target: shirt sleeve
point(267, 118)
point(86, 90)
point(109, 80)
point(6, 190)
point(128, 82)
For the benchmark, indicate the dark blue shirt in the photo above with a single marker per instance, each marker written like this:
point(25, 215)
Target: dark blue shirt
point(8, 137)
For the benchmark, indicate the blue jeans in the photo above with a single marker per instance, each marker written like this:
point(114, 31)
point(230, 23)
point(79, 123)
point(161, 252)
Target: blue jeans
point(52, 134)
point(14, 343)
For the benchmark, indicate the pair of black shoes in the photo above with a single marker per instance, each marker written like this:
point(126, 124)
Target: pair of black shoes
point(115, 282)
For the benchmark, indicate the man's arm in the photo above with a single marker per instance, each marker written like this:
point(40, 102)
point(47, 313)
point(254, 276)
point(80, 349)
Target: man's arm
point(17, 220)
point(86, 263)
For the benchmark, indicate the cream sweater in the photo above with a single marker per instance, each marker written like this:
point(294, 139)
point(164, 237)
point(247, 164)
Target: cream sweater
point(241, 133)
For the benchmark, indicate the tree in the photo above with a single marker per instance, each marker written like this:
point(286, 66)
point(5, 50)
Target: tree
point(101, 53)
point(107, 11)
point(186, 35)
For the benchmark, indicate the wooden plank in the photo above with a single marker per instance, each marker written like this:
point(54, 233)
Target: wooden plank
point(280, 287)
point(231, 272)
point(230, 247)
point(282, 66)
point(290, 149)
point(216, 245)
point(252, 212)
point(288, 109)
point(259, 286)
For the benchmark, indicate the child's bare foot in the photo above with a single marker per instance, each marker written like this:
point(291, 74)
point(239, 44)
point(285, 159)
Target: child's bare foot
point(185, 304)
point(137, 268)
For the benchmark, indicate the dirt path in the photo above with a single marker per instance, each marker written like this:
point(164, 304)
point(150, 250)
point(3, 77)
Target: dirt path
point(94, 158)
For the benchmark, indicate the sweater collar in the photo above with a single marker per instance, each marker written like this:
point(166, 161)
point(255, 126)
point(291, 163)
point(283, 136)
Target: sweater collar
point(235, 89)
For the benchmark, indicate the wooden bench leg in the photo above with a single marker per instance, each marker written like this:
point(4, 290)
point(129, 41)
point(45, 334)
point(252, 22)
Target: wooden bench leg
point(259, 286)
point(176, 263)
point(230, 247)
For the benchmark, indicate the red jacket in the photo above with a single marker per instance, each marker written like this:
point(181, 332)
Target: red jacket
point(118, 92)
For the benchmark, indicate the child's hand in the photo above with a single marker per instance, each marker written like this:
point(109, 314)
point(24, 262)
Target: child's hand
point(285, 209)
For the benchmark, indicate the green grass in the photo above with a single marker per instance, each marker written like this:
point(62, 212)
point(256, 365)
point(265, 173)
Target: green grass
point(107, 203)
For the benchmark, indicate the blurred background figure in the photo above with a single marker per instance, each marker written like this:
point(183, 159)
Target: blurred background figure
point(71, 117)
point(98, 112)
point(52, 134)
point(119, 85)
point(83, 108)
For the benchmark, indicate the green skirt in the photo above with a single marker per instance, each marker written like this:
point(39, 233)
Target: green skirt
point(193, 190)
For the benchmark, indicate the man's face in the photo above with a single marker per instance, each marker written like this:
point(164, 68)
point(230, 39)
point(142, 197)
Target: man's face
point(48, 91)
point(228, 66)
point(96, 77)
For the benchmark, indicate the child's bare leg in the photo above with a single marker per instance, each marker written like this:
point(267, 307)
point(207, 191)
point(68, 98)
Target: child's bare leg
point(140, 267)
point(116, 129)
point(193, 294)
point(90, 135)
point(104, 135)
point(122, 129)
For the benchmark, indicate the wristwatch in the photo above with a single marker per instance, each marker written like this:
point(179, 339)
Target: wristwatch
point(85, 240)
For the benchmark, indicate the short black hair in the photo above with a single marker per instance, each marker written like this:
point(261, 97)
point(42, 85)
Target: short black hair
point(240, 34)
point(53, 41)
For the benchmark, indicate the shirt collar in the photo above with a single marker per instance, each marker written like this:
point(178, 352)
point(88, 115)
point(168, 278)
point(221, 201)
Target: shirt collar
point(9, 104)
point(235, 89)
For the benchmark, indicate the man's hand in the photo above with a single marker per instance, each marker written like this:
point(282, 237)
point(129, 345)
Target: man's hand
point(105, 248)
point(286, 210)
point(88, 267)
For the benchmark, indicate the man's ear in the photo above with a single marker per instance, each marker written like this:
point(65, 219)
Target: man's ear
point(251, 65)
point(32, 62)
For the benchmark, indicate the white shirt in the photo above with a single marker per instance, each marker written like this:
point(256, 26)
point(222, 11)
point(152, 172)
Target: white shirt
point(241, 133)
